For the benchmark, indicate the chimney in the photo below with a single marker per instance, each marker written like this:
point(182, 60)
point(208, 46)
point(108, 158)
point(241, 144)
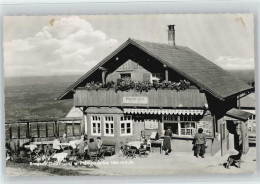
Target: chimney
point(171, 35)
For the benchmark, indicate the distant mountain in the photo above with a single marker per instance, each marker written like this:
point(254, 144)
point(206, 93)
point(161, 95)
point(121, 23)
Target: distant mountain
point(25, 81)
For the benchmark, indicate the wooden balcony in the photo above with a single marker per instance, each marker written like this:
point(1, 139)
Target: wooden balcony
point(132, 98)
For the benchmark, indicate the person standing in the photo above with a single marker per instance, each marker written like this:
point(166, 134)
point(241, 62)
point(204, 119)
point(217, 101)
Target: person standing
point(167, 141)
point(200, 143)
point(81, 148)
point(56, 145)
point(64, 138)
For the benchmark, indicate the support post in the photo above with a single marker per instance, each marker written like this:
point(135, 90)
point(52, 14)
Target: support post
point(104, 74)
point(166, 73)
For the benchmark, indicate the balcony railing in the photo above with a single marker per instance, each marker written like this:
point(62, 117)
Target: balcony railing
point(152, 98)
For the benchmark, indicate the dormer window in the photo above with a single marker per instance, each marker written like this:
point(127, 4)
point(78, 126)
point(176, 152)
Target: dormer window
point(157, 77)
point(125, 75)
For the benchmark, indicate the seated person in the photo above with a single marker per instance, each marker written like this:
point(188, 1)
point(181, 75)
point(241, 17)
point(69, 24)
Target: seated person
point(40, 150)
point(99, 142)
point(56, 145)
point(81, 147)
point(92, 145)
point(143, 136)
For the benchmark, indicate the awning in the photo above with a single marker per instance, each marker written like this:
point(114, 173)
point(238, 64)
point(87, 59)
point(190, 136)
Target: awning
point(103, 110)
point(238, 114)
point(163, 111)
point(250, 111)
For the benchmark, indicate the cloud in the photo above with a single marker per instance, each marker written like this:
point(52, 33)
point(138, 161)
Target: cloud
point(232, 63)
point(70, 46)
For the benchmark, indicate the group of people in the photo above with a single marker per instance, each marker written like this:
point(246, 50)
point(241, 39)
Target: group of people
point(81, 147)
point(199, 142)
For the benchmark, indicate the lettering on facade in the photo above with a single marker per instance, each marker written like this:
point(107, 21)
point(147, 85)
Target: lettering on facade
point(151, 124)
point(207, 127)
point(135, 100)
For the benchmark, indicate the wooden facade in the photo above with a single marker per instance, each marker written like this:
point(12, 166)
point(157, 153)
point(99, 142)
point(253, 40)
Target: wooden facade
point(43, 130)
point(190, 98)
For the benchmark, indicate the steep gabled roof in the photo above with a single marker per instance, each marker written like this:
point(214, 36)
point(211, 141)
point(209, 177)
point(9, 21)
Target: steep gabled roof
point(191, 65)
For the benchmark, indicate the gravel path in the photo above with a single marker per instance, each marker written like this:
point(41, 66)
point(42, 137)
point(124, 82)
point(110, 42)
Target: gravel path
point(157, 164)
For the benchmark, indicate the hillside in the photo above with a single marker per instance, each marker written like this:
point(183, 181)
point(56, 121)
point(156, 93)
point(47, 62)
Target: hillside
point(34, 98)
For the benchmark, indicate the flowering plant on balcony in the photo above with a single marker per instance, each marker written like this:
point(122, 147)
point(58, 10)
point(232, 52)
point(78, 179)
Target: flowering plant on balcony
point(126, 84)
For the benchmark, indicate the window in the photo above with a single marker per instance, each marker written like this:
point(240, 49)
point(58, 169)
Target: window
point(77, 128)
point(69, 128)
point(188, 128)
point(50, 129)
point(34, 129)
point(109, 126)
point(252, 117)
point(188, 125)
point(7, 132)
point(181, 125)
point(42, 129)
point(157, 77)
point(15, 130)
point(126, 125)
point(95, 125)
point(62, 128)
point(23, 130)
point(170, 118)
point(125, 75)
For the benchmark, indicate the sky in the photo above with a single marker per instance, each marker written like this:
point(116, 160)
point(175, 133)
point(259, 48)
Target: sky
point(71, 45)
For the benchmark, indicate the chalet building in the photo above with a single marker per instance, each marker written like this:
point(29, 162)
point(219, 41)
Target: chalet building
point(152, 86)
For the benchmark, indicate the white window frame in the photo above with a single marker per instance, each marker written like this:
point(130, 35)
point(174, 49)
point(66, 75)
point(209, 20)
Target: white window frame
point(95, 121)
point(156, 76)
point(194, 129)
point(110, 121)
point(125, 122)
point(177, 119)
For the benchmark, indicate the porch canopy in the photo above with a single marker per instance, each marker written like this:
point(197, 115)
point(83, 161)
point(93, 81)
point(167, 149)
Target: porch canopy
point(164, 111)
point(238, 114)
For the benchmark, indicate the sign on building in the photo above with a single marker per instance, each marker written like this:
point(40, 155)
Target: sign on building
point(207, 127)
point(135, 100)
point(151, 124)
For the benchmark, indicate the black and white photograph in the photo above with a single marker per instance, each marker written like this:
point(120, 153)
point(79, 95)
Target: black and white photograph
point(129, 95)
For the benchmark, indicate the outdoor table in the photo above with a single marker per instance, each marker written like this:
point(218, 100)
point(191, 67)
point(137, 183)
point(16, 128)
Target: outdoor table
point(136, 144)
point(64, 145)
point(36, 143)
point(74, 143)
point(47, 142)
point(31, 147)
